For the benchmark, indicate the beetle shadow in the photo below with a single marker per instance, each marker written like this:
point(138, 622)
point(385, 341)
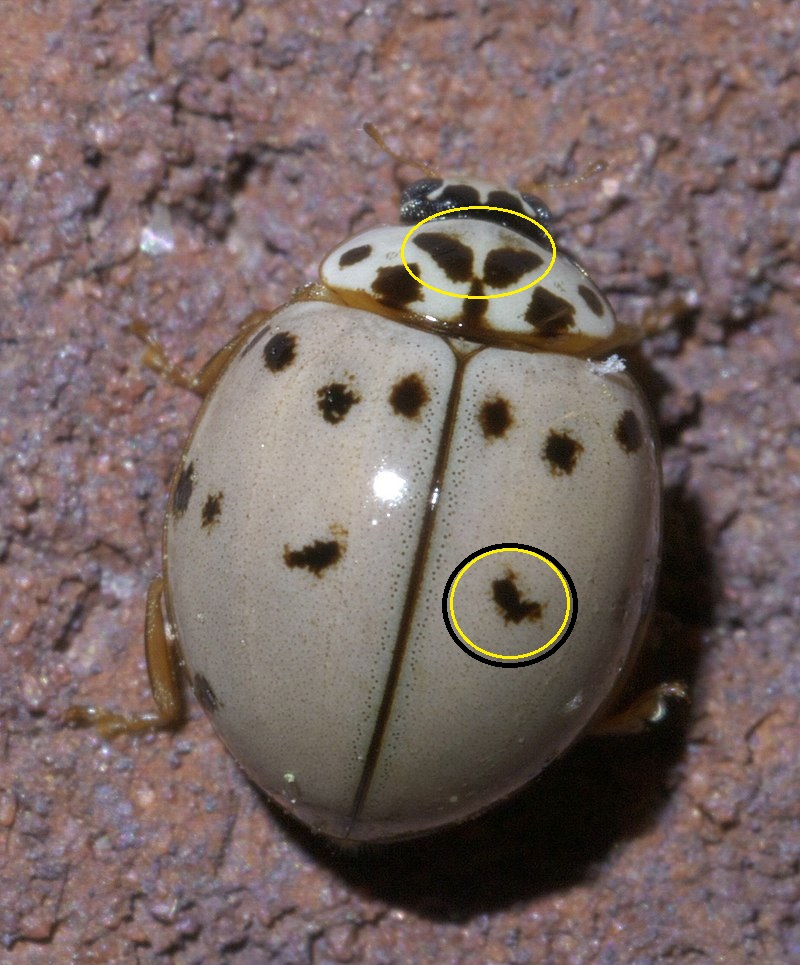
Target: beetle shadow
point(553, 833)
point(546, 838)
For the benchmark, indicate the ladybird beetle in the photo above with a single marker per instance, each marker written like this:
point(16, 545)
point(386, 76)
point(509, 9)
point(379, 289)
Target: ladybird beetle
point(353, 448)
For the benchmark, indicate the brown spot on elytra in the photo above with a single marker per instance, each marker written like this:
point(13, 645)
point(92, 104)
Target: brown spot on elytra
point(408, 396)
point(562, 452)
point(549, 314)
point(334, 401)
point(495, 417)
point(354, 255)
point(510, 603)
point(315, 557)
point(204, 692)
point(183, 491)
point(395, 288)
point(212, 509)
point(451, 255)
point(628, 432)
point(506, 266)
point(279, 352)
point(592, 300)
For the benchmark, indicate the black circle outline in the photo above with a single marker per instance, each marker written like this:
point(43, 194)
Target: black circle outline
point(510, 663)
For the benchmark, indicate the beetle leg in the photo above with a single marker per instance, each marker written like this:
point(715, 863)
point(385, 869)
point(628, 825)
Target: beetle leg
point(655, 320)
point(155, 357)
point(164, 671)
point(649, 708)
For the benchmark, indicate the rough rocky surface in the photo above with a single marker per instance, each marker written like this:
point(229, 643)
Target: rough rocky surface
point(186, 163)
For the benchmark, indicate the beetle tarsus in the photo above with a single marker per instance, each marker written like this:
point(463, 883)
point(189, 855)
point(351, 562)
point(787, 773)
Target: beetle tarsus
point(649, 708)
point(110, 724)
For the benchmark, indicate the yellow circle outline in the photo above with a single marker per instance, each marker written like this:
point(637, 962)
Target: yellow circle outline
point(475, 207)
point(519, 656)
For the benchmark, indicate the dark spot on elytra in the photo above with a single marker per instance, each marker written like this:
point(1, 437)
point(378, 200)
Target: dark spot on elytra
point(183, 490)
point(473, 310)
point(335, 401)
point(549, 314)
point(562, 452)
point(204, 692)
point(408, 396)
point(451, 255)
point(279, 352)
point(593, 301)
point(212, 509)
point(354, 255)
point(509, 601)
point(495, 418)
point(506, 266)
point(395, 287)
point(314, 557)
point(628, 431)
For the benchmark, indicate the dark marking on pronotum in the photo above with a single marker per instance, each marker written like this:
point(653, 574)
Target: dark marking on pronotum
point(395, 288)
point(279, 352)
point(354, 255)
point(473, 310)
point(183, 490)
point(315, 557)
point(408, 396)
point(495, 417)
point(592, 300)
point(212, 509)
point(204, 692)
point(451, 255)
point(506, 266)
point(562, 452)
point(512, 607)
point(628, 432)
point(335, 400)
point(549, 314)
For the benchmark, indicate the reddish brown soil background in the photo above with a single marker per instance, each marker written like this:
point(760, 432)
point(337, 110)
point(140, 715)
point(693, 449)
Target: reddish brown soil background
point(186, 163)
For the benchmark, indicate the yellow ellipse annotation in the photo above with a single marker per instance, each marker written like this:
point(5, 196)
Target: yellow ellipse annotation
point(520, 656)
point(473, 207)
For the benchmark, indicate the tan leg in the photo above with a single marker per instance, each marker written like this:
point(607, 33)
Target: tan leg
point(656, 320)
point(155, 357)
point(164, 670)
point(649, 708)
point(163, 665)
